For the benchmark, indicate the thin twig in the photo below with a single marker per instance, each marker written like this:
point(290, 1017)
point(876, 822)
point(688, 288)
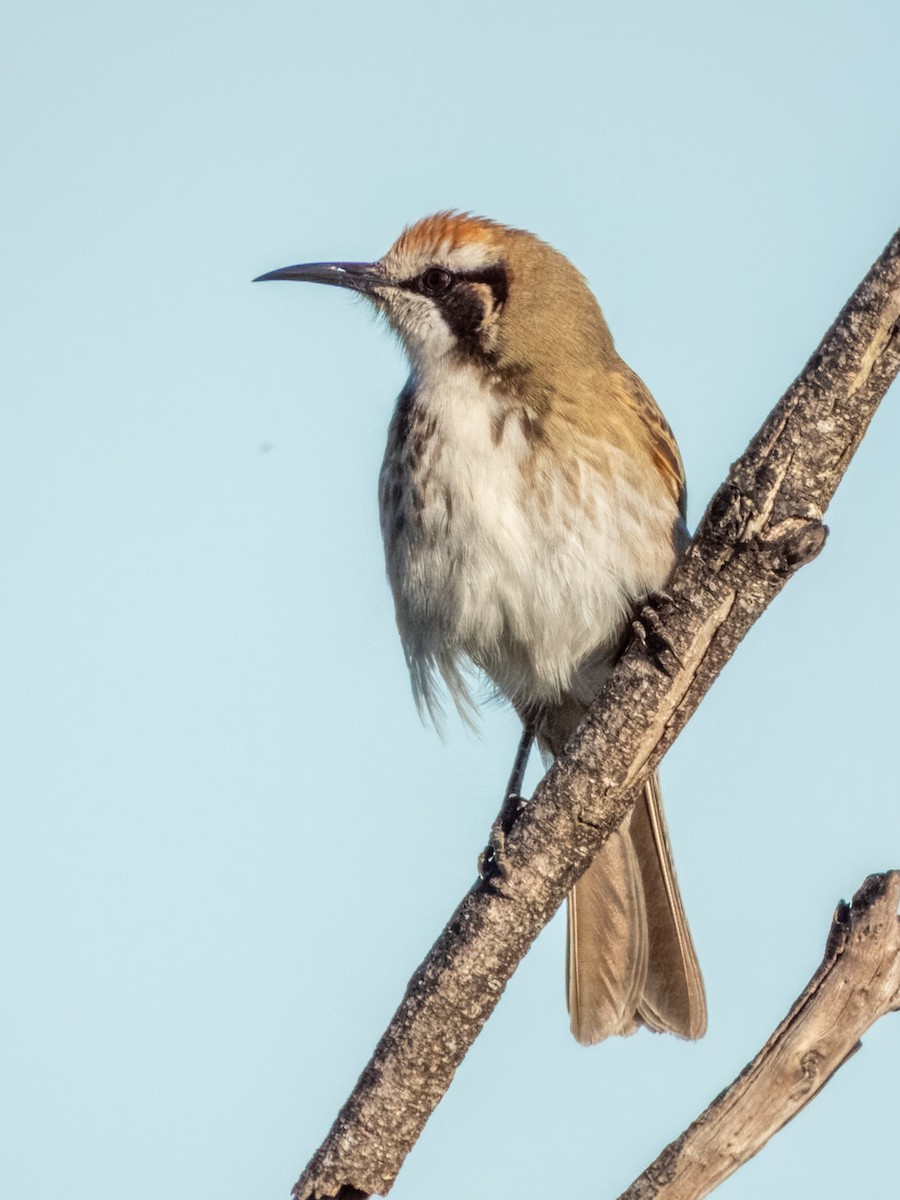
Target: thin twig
point(858, 982)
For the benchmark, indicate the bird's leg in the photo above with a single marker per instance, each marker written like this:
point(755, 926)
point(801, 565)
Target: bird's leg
point(512, 800)
point(490, 859)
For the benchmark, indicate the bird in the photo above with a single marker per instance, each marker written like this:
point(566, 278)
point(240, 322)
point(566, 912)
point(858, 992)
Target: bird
point(532, 498)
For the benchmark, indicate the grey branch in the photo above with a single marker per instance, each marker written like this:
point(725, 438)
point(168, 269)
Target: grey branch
point(761, 526)
point(858, 982)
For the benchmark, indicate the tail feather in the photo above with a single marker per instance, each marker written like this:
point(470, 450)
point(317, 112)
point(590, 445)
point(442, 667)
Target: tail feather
point(674, 998)
point(631, 960)
point(606, 962)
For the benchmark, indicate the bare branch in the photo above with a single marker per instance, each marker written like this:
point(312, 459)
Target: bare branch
point(858, 982)
point(761, 526)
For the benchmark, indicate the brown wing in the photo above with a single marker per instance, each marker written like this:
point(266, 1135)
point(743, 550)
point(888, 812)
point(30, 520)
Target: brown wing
point(660, 440)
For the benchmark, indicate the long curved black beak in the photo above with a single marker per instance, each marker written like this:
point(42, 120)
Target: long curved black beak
point(359, 277)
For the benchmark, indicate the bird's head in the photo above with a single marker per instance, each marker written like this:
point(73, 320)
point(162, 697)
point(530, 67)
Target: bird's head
point(459, 286)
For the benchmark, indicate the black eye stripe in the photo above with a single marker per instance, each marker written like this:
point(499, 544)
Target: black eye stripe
point(494, 276)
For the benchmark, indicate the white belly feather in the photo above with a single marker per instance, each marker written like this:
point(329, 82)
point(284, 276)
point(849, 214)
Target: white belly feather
point(490, 557)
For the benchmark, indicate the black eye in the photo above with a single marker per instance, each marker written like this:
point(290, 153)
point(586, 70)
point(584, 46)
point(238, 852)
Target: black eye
point(435, 280)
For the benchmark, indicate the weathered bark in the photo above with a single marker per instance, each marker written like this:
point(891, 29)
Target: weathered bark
point(761, 526)
point(858, 982)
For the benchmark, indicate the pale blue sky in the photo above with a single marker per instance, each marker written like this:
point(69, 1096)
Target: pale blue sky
point(228, 838)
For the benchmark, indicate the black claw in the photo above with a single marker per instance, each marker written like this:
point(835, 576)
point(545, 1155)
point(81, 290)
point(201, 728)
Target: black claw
point(490, 860)
point(512, 808)
point(647, 626)
point(488, 866)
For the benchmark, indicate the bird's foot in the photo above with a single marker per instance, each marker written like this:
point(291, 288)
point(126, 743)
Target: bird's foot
point(647, 625)
point(491, 859)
